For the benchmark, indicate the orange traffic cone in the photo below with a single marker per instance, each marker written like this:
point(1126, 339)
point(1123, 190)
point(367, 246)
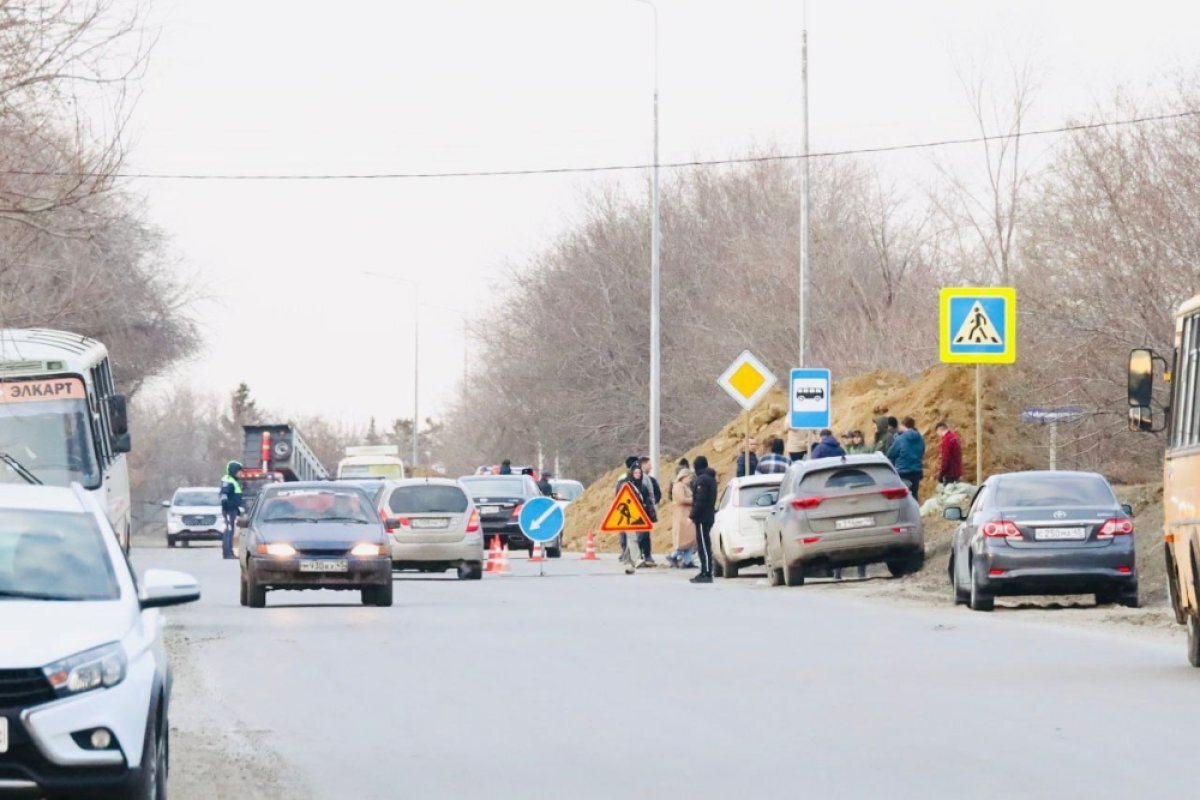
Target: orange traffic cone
point(589, 552)
point(537, 552)
point(493, 556)
point(502, 564)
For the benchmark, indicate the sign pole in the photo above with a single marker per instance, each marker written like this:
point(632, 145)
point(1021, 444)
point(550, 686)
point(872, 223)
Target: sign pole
point(1053, 446)
point(978, 425)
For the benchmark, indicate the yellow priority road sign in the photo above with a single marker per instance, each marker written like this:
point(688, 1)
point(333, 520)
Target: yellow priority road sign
point(627, 514)
point(746, 380)
point(978, 325)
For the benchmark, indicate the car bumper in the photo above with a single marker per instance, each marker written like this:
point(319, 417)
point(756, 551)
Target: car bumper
point(284, 573)
point(45, 761)
point(1057, 570)
point(739, 550)
point(853, 547)
point(196, 534)
point(437, 552)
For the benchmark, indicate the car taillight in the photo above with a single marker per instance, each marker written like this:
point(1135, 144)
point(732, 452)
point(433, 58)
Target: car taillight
point(895, 494)
point(805, 503)
point(1115, 527)
point(403, 522)
point(473, 522)
point(1002, 529)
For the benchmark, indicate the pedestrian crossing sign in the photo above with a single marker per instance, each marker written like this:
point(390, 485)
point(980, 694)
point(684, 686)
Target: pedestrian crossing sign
point(978, 325)
point(627, 514)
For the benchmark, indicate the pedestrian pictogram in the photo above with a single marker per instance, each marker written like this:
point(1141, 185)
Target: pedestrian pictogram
point(979, 325)
point(746, 380)
point(627, 514)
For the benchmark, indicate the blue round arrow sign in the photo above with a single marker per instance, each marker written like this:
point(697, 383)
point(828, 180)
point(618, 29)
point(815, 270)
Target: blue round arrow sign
point(541, 519)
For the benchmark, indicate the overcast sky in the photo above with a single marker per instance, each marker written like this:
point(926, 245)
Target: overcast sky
point(368, 86)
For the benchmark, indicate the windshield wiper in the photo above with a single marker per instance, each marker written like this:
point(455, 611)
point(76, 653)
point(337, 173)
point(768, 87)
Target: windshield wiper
point(20, 469)
point(359, 520)
point(290, 519)
point(34, 595)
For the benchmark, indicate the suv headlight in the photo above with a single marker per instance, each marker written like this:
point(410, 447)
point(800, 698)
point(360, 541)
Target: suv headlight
point(102, 666)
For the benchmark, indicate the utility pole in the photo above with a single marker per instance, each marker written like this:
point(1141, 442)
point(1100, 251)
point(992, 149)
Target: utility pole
point(804, 192)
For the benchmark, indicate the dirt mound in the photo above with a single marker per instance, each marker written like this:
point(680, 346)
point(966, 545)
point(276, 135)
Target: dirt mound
point(940, 393)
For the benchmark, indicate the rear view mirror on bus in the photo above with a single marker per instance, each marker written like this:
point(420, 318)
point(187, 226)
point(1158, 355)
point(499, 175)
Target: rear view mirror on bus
point(118, 415)
point(1141, 420)
point(1141, 378)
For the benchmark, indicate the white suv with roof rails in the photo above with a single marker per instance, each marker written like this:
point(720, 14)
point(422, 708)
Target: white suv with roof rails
point(84, 680)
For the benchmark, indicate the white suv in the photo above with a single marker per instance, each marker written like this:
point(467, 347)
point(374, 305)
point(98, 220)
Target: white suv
point(193, 515)
point(84, 680)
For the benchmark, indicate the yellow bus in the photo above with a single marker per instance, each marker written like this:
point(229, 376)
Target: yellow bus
point(1180, 416)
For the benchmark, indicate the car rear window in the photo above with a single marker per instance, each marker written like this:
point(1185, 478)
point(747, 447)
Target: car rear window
point(428, 500)
point(198, 498)
point(1031, 491)
point(850, 478)
point(749, 496)
point(496, 487)
point(54, 555)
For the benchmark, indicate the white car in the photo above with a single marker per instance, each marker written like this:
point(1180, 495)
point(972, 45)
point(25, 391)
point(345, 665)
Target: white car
point(739, 532)
point(194, 514)
point(84, 681)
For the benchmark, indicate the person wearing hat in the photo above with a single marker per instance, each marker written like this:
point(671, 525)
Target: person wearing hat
point(231, 505)
point(856, 444)
point(703, 513)
point(633, 478)
point(683, 530)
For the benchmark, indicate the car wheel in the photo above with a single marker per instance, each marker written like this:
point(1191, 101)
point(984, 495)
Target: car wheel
point(256, 596)
point(960, 597)
point(1193, 626)
point(470, 571)
point(152, 775)
point(1128, 597)
point(383, 596)
point(1106, 597)
point(187, 542)
point(245, 592)
point(899, 567)
point(980, 599)
point(171, 540)
point(718, 568)
point(555, 550)
point(731, 569)
point(793, 574)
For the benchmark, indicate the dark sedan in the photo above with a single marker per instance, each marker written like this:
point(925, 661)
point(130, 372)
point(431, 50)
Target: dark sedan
point(499, 498)
point(1043, 533)
point(317, 535)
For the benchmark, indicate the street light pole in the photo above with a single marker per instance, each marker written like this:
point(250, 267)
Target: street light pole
point(655, 279)
point(805, 289)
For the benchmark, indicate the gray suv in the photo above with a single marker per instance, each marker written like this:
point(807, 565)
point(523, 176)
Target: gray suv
point(1042, 532)
point(842, 512)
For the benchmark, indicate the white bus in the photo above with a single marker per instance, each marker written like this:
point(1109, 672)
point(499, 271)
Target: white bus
point(61, 419)
point(371, 461)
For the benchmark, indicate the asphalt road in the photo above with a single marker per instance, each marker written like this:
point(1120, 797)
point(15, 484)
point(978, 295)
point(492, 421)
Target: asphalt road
point(590, 683)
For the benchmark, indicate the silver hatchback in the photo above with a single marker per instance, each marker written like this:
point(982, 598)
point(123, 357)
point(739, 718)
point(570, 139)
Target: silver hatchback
point(434, 526)
point(842, 512)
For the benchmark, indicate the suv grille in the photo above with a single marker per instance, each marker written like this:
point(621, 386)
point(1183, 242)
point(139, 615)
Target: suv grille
point(24, 687)
point(199, 519)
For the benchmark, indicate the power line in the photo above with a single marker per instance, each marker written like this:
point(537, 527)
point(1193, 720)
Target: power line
point(716, 162)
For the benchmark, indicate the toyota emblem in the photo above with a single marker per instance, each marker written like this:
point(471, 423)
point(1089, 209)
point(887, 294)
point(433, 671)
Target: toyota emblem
point(1060, 515)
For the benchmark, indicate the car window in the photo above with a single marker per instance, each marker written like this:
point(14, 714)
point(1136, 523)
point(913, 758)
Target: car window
point(567, 490)
point(725, 495)
point(1032, 491)
point(316, 505)
point(197, 498)
point(850, 478)
point(431, 499)
point(502, 486)
point(54, 555)
point(750, 496)
point(980, 501)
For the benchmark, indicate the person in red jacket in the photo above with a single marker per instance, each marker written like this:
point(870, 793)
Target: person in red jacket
point(951, 468)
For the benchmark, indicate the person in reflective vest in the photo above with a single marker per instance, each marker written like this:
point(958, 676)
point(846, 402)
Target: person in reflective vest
point(231, 505)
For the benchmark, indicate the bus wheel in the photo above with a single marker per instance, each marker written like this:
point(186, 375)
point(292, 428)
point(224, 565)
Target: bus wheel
point(1193, 626)
point(1173, 588)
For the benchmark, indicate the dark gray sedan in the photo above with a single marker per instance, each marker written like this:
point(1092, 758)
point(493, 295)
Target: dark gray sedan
point(1043, 533)
point(318, 535)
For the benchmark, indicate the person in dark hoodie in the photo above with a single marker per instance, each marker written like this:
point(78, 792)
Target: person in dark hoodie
point(885, 434)
point(828, 447)
point(633, 477)
point(506, 467)
point(704, 509)
point(907, 454)
point(231, 505)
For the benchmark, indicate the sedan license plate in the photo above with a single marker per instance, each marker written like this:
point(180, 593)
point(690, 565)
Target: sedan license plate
point(431, 523)
point(1059, 534)
point(325, 566)
point(855, 522)
point(3, 734)
point(489, 509)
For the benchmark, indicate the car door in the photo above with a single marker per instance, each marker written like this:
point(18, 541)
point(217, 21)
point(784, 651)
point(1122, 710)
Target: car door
point(779, 514)
point(968, 531)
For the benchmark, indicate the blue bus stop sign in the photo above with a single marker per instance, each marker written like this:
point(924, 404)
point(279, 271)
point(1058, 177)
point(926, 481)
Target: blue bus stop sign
point(541, 519)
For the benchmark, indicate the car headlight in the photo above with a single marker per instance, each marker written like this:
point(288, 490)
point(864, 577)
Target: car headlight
point(281, 549)
point(102, 666)
point(369, 550)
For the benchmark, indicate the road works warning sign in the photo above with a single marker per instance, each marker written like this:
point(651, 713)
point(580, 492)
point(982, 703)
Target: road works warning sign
point(627, 514)
point(978, 325)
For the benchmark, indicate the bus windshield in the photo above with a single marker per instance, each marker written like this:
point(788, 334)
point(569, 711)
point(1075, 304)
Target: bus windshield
point(373, 470)
point(51, 439)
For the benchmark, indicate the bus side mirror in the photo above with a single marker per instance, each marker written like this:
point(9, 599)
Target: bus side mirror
point(1141, 378)
point(118, 416)
point(1141, 419)
point(123, 444)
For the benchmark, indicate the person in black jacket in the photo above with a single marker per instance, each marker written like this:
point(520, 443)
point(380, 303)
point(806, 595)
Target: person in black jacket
point(633, 477)
point(704, 509)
